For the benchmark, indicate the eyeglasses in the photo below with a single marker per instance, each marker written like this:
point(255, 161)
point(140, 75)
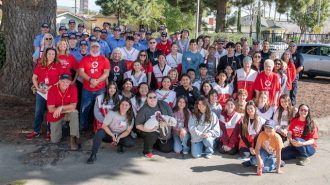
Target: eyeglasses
point(152, 42)
point(152, 97)
point(257, 56)
point(278, 64)
point(292, 45)
point(303, 110)
point(48, 38)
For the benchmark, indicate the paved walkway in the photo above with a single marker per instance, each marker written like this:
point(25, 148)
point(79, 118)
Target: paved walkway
point(132, 168)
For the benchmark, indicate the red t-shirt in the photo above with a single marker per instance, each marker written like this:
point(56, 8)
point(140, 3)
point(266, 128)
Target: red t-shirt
point(94, 67)
point(164, 48)
point(67, 63)
point(50, 73)
point(291, 74)
point(57, 97)
point(269, 83)
point(148, 69)
point(297, 128)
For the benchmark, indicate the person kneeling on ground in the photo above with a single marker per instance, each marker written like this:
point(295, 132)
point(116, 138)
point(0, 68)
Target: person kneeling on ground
point(116, 128)
point(62, 102)
point(204, 129)
point(268, 151)
point(152, 109)
point(302, 133)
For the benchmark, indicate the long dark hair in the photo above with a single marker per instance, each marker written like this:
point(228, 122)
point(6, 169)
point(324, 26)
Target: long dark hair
point(129, 114)
point(144, 63)
point(281, 71)
point(201, 88)
point(138, 95)
point(310, 124)
point(246, 118)
point(186, 112)
point(133, 70)
point(44, 59)
point(115, 98)
point(281, 109)
point(198, 114)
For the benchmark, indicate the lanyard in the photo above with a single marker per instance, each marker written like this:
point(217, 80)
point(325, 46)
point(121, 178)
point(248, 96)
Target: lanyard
point(62, 96)
point(127, 52)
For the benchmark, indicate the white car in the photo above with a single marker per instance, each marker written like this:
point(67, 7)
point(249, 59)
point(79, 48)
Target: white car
point(316, 59)
point(278, 46)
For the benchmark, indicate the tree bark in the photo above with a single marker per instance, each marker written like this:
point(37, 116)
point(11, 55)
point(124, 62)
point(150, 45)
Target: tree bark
point(221, 15)
point(22, 21)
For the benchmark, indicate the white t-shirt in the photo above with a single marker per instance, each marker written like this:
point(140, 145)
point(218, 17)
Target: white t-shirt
point(174, 61)
point(130, 55)
point(117, 123)
point(167, 96)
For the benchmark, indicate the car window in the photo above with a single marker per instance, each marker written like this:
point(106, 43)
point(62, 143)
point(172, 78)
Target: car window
point(311, 50)
point(325, 51)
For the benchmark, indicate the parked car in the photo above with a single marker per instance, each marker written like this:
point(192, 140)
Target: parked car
point(278, 46)
point(316, 59)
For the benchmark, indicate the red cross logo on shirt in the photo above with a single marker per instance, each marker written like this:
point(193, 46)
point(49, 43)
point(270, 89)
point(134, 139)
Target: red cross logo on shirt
point(268, 83)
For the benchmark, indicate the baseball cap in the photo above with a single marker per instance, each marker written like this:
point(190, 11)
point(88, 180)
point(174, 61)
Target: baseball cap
point(161, 27)
point(78, 34)
point(269, 124)
point(163, 34)
point(117, 28)
point(72, 36)
point(137, 33)
point(92, 38)
point(185, 30)
point(128, 31)
point(65, 35)
point(97, 29)
point(85, 34)
point(45, 25)
point(255, 42)
point(106, 23)
point(104, 31)
point(65, 77)
point(148, 33)
point(83, 42)
point(72, 21)
point(95, 44)
point(142, 30)
point(62, 28)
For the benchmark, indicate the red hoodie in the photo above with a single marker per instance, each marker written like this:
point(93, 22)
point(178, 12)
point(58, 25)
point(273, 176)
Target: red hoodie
point(165, 49)
point(229, 124)
point(291, 73)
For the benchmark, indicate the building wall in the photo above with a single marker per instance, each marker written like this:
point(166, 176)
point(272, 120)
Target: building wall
point(63, 20)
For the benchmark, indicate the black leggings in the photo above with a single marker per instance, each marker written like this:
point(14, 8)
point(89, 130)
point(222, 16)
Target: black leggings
point(151, 141)
point(233, 151)
point(100, 135)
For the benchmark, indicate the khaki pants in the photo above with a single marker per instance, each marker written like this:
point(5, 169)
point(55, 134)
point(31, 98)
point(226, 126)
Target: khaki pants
point(56, 127)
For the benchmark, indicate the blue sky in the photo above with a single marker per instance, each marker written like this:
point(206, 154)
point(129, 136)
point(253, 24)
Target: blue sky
point(70, 3)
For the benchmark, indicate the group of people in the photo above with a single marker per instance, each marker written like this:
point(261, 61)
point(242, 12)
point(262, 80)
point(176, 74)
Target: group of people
point(178, 94)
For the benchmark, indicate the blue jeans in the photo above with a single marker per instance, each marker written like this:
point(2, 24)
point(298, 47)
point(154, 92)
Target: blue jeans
point(87, 101)
point(197, 148)
point(268, 159)
point(41, 107)
point(292, 152)
point(181, 144)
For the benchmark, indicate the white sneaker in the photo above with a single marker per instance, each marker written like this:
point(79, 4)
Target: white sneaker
point(208, 156)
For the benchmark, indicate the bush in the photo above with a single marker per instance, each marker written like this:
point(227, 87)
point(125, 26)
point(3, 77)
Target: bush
point(2, 49)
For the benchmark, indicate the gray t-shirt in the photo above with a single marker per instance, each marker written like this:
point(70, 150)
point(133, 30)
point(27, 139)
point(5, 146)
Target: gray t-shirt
point(117, 123)
point(146, 112)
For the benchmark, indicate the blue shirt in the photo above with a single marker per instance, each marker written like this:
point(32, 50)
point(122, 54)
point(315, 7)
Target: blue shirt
point(193, 63)
point(57, 39)
point(116, 43)
point(138, 46)
point(105, 49)
point(38, 39)
point(144, 44)
point(78, 56)
point(183, 46)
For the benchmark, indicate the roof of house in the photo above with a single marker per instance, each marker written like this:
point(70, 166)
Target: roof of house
point(60, 13)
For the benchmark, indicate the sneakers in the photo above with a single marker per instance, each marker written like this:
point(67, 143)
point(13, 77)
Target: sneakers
point(91, 159)
point(48, 136)
point(120, 149)
point(282, 163)
point(149, 155)
point(303, 161)
point(32, 135)
point(208, 156)
point(246, 164)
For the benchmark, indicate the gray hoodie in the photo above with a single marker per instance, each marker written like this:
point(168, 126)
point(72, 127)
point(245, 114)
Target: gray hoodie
point(197, 129)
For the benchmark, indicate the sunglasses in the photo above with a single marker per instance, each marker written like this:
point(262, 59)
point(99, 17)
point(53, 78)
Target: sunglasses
point(152, 42)
point(48, 38)
point(278, 64)
point(303, 110)
point(143, 55)
point(152, 97)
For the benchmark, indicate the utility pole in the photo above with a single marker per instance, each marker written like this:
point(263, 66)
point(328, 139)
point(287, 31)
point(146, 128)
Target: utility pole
point(75, 6)
point(318, 13)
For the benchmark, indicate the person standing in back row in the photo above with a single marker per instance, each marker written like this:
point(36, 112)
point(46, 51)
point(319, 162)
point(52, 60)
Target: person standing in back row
point(229, 59)
point(192, 58)
point(265, 53)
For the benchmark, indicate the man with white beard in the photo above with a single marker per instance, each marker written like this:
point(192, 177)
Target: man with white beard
point(94, 69)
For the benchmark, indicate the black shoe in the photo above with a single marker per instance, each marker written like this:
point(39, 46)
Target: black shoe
point(120, 149)
point(246, 164)
point(91, 159)
point(282, 163)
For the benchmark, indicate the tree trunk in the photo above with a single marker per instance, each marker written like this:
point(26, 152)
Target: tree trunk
point(270, 9)
point(200, 17)
point(22, 21)
point(239, 20)
point(221, 15)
